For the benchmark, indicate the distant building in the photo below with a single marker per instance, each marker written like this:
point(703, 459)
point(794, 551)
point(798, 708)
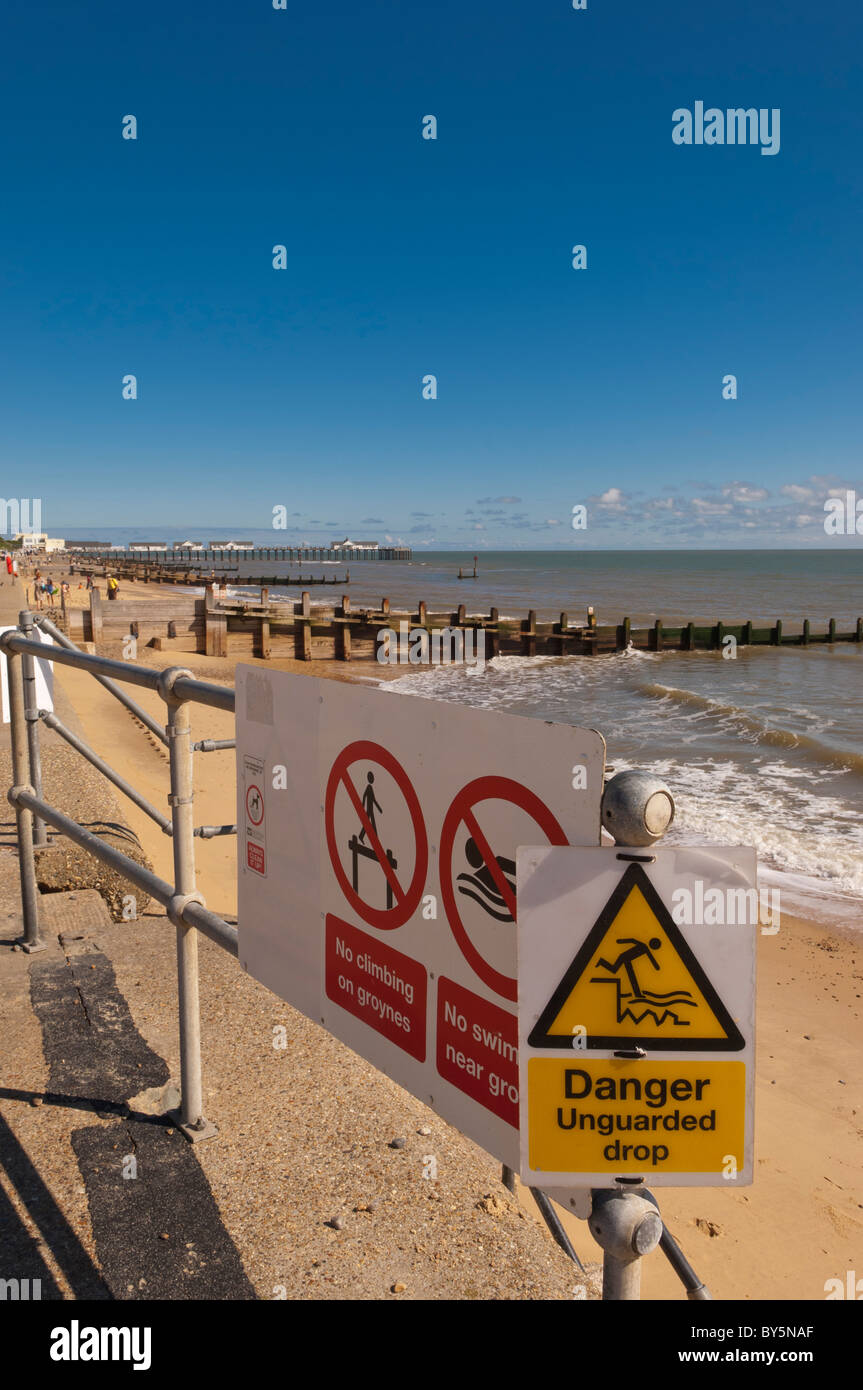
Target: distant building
point(347, 544)
point(188, 545)
point(38, 540)
point(93, 545)
point(148, 545)
point(232, 545)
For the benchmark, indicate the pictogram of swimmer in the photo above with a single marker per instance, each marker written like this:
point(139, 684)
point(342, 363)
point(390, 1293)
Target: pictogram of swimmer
point(481, 886)
point(370, 801)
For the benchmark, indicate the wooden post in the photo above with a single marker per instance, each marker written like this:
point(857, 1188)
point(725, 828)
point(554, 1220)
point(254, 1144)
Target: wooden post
point(623, 635)
point(265, 637)
point(492, 639)
point(720, 633)
point(805, 632)
point(216, 633)
point(528, 642)
point(265, 597)
point(689, 639)
point(421, 613)
point(385, 605)
point(215, 626)
point(657, 635)
point(95, 615)
point(306, 626)
point(747, 633)
point(563, 625)
point(460, 615)
point(777, 633)
point(860, 629)
point(831, 630)
point(346, 631)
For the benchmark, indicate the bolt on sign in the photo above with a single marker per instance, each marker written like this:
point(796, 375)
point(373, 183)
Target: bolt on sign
point(637, 1015)
point(377, 874)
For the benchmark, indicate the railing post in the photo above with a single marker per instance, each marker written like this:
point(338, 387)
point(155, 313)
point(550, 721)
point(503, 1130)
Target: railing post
point(31, 715)
point(637, 809)
point(191, 1114)
point(31, 940)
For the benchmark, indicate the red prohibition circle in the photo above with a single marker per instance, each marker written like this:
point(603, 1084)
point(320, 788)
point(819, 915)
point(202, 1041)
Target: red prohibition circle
point(387, 919)
point(252, 788)
point(487, 789)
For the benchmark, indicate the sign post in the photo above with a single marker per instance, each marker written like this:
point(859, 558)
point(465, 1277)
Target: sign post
point(377, 845)
point(601, 1007)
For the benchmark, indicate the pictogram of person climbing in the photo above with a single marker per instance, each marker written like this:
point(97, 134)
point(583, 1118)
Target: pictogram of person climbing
point(370, 802)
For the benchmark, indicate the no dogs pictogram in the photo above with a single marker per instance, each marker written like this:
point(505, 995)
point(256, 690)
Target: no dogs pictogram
point(355, 771)
point(254, 804)
point(489, 877)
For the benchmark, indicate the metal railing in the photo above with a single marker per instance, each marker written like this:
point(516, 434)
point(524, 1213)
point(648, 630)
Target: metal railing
point(183, 903)
point(187, 910)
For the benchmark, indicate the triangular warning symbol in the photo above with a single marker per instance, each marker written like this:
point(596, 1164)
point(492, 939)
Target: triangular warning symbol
point(636, 983)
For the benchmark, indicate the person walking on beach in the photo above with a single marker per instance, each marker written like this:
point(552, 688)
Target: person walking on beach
point(89, 581)
point(113, 586)
point(49, 590)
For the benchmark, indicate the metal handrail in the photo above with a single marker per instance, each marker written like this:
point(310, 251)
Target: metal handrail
point(182, 901)
point(193, 914)
point(52, 722)
point(134, 708)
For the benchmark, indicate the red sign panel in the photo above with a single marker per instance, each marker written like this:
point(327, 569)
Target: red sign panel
point(477, 1049)
point(379, 986)
point(255, 857)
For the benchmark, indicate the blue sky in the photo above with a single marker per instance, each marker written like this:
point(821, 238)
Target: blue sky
point(406, 256)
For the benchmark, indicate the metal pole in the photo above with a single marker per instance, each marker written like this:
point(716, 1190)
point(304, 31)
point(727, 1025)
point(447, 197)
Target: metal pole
point(637, 809)
point(191, 1118)
point(695, 1289)
point(31, 715)
point(31, 941)
point(627, 1226)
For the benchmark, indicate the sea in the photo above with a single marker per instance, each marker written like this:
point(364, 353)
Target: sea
point(764, 750)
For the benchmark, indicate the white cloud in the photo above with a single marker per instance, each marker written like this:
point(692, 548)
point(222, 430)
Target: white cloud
point(745, 492)
point(798, 493)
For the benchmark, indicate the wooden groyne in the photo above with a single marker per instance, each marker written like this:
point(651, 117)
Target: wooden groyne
point(219, 627)
point(146, 572)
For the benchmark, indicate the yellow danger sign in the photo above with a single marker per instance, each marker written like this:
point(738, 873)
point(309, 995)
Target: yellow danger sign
point(618, 1117)
point(635, 982)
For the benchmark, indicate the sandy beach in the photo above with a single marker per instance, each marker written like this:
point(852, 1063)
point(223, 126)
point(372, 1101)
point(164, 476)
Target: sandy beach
point(801, 1222)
